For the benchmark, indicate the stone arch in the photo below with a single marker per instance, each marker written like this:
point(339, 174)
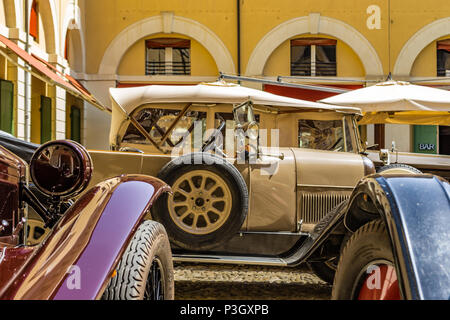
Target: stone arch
point(314, 24)
point(166, 23)
point(48, 11)
point(74, 30)
point(13, 13)
point(417, 43)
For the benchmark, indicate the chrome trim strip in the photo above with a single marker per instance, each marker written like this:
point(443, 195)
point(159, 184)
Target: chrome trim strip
point(324, 186)
point(281, 233)
point(244, 260)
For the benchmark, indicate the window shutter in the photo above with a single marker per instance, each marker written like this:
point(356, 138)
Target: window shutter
point(6, 105)
point(46, 119)
point(168, 43)
point(75, 124)
point(34, 20)
point(444, 45)
point(313, 41)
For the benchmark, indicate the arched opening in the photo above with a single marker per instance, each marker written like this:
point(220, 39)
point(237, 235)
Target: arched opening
point(73, 50)
point(417, 43)
point(161, 55)
point(325, 26)
point(42, 22)
point(153, 26)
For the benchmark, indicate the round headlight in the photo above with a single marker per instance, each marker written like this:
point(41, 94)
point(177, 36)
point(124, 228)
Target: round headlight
point(61, 168)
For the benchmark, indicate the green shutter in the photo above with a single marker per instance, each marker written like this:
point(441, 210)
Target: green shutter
point(425, 139)
point(46, 119)
point(75, 124)
point(6, 104)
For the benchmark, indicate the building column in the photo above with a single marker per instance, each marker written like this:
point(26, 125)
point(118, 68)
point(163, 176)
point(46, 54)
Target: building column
point(22, 88)
point(58, 96)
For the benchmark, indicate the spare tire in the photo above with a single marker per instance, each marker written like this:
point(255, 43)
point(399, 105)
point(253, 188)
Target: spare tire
point(398, 168)
point(209, 203)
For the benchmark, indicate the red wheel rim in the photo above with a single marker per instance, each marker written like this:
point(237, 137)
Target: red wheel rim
point(380, 283)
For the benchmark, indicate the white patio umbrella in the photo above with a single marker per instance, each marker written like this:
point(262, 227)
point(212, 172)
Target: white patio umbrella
point(398, 102)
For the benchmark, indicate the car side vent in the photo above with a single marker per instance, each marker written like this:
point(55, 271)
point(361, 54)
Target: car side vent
point(315, 205)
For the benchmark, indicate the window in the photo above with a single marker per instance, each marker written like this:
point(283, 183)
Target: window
point(168, 56)
point(323, 135)
point(158, 121)
point(34, 21)
point(443, 58)
point(46, 119)
point(6, 105)
point(75, 124)
point(313, 57)
point(444, 140)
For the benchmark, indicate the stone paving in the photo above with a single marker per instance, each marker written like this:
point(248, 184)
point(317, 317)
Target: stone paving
point(230, 282)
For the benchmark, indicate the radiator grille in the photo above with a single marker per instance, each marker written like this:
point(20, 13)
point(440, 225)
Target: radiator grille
point(315, 205)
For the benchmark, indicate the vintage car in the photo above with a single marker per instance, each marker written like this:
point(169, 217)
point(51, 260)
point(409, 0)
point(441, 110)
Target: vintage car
point(233, 211)
point(98, 247)
point(258, 203)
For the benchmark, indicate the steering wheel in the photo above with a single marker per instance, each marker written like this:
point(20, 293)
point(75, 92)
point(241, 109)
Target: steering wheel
point(335, 145)
point(211, 142)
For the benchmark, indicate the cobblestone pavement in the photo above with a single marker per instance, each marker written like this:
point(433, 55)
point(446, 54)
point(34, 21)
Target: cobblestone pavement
point(230, 282)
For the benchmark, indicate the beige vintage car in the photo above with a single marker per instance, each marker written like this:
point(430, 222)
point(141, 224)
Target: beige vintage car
point(242, 195)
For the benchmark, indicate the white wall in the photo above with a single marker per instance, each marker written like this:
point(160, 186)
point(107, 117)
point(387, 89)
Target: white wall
point(401, 134)
point(96, 122)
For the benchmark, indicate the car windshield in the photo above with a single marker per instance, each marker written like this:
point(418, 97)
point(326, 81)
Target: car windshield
point(157, 122)
point(321, 135)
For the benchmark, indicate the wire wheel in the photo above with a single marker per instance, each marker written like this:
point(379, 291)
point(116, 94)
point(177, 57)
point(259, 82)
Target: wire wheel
point(154, 288)
point(200, 203)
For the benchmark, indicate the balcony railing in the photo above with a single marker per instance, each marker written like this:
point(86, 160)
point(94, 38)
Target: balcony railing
point(315, 69)
point(326, 69)
point(167, 68)
point(301, 69)
point(442, 72)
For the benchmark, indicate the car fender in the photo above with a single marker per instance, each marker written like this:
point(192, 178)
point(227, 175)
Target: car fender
point(416, 211)
point(80, 254)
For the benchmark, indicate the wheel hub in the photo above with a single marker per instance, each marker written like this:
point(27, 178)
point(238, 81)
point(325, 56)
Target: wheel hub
point(201, 202)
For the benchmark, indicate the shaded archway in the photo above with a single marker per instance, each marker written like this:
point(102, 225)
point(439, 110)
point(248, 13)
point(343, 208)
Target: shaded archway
point(166, 23)
point(417, 43)
point(47, 10)
point(314, 24)
point(74, 45)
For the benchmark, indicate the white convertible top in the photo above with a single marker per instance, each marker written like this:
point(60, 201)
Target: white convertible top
point(128, 99)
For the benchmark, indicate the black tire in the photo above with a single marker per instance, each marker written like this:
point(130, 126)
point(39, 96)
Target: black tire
point(399, 168)
point(237, 189)
point(368, 244)
point(326, 270)
point(147, 258)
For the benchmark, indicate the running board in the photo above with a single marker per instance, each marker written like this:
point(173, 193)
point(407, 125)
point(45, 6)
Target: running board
point(219, 259)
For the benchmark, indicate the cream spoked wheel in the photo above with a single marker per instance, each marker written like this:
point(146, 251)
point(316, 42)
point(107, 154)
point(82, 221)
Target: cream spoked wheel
point(208, 204)
point(200, 203)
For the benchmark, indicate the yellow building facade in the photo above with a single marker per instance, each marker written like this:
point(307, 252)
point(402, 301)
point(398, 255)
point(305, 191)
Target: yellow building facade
point(40, 110)
point(349, 43)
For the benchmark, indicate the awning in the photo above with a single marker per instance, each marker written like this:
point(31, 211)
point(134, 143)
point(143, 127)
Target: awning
point(307, 94)
point(49, 74)
point(398, 102)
